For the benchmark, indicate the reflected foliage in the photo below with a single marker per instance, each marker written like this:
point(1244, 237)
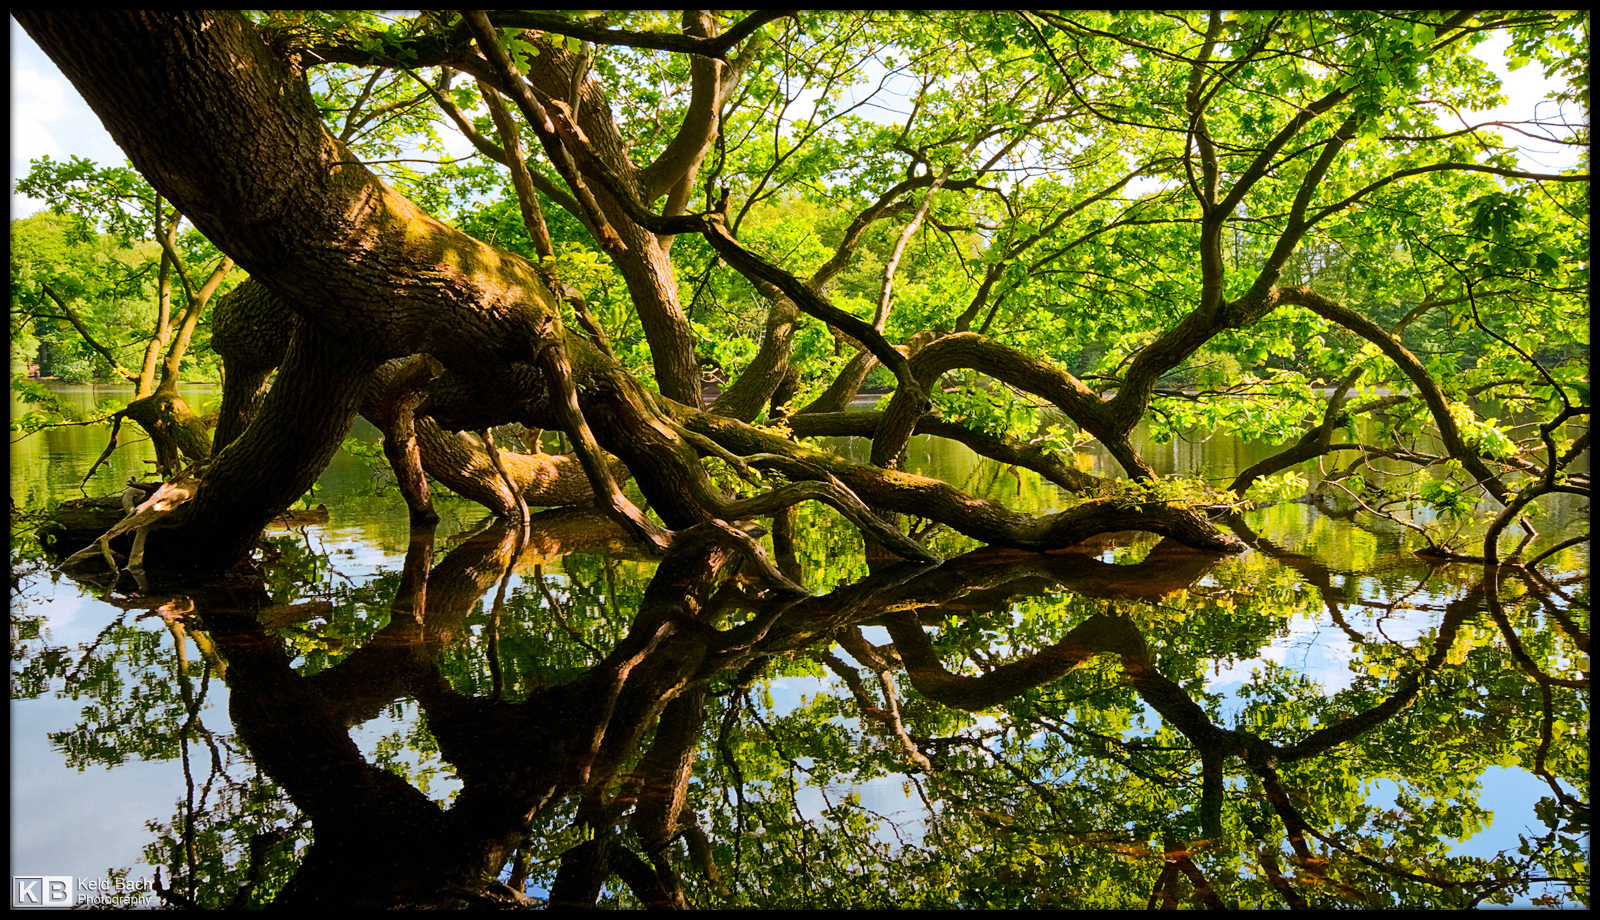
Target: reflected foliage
point(1133, 229)
point(1122, 725)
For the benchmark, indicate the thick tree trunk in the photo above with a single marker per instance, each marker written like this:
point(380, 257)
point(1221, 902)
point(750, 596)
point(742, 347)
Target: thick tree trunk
point(301, 423)
point(252, 331)
point(229, 133)
point(227, 130)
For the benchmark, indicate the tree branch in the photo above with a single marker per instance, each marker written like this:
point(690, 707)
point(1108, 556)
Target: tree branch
point(89, 339)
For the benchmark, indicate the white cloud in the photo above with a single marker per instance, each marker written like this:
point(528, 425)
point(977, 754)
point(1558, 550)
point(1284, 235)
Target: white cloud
point(48, 118)
point(36, 101)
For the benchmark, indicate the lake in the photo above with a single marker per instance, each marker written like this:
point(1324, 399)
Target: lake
point(381, 715)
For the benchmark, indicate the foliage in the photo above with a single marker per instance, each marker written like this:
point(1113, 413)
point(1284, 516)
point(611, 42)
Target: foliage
point(110, 280)
point(1264, 225)
point(1056, 797)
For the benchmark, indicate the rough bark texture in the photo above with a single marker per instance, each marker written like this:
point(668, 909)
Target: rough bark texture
point(173, 427)
point(227, 131)
point(250, 330)
point(302, 421)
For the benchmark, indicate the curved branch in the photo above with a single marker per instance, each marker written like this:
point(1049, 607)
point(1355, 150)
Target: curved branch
point(1319, 440)
point(1098, 635)
point(1431, 393)
point(1025, 372)
point(697, 130)
point(982, 519)
point(715, 228)
point(88, 338)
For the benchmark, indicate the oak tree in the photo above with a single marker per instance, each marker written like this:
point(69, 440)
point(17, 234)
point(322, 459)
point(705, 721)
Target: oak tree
point(1245, 219)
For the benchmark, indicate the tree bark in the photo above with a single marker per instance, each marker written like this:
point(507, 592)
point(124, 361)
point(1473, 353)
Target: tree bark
point(229, 133)
point(982, 519)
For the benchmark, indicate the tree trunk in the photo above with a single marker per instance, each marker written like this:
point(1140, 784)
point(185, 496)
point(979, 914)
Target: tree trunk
point(229, 133)
point(173, 427)
point(302, 421)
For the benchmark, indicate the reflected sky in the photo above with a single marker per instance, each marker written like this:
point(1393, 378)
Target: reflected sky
point(1319, 622)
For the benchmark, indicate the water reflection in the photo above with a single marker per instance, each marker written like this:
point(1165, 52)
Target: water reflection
point(479, 717)
point(1123, 724)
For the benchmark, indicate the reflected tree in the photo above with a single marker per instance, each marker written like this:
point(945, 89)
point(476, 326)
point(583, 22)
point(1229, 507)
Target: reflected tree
point(1052, 720)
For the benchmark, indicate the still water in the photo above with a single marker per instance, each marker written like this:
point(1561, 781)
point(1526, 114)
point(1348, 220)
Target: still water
point(1324, 720)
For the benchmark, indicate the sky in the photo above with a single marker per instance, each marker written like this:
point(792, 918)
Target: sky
point(49, 118)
